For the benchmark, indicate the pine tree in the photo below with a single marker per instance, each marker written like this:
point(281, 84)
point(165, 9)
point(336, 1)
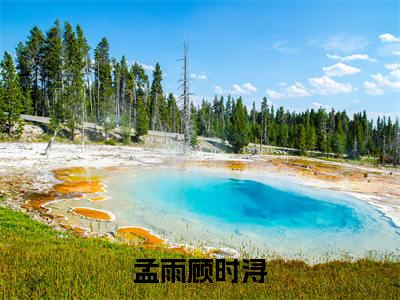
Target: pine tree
point(322, 130)
point(52, 73)
point(84, 55)
point(218, 120)
point(156, 98)
point(173, 114)
point(123, 89)
point(11, 96)
point(312, 138)
point(283, 130)
point(116, 67)
point(238, 135)
point(71, 109)
point(105, 106)
point(255, 132)
point(24, 74)
point(301, 139)
point(36, 57)
point(142, 121)
point(194, 126)
point(128, 111)
point(339, 140)
point(141, 84)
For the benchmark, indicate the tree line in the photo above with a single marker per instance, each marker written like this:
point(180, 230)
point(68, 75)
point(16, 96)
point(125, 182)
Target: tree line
point(311, 130)
point(59, 76)
point(60, 79)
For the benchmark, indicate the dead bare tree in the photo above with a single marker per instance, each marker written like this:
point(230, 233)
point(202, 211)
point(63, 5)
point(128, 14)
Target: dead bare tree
point(51, 142)
point(83, 120)
point(134, 100)
point(145, 93)
point(185, 97)
point(154, 113)
point(98, 92)
point(117, 95)
point(87, 69)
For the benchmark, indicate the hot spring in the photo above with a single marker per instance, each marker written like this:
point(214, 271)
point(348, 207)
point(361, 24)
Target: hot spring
point(257, 215)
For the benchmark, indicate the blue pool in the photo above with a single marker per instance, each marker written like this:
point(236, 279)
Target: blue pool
point(254, 215)
point(242, 201)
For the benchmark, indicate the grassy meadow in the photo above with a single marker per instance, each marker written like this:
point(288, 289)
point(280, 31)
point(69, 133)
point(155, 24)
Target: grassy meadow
point(39, 262)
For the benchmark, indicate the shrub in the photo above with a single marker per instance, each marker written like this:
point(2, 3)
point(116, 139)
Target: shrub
point(110, 142)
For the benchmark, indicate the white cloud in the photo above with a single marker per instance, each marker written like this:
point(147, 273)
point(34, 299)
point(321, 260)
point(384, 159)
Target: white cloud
point(244, 89)
point(274, 94)
point(248, 87)
point(389, 38)
point(198, 76)
point(386, 81)
point(333, 56)
point(282, 47)
point(390, 49)
point(345, 43)
point(381, 82)
point(392, 66)
point(391, 44)
point(147, 67)
point(327, 86)
point(351, 57)
point(296, 90)
point(372, 89)
point(395, 74)
point(340, 70)
point(144, 66)
point(394, 69)
point(237, 89)
point(319, 86)
point(219, 90)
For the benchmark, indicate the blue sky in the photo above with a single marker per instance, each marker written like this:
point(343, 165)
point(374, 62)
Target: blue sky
point(300, 54)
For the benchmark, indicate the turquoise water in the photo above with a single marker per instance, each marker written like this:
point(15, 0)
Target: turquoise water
point(242, 201)
point(194, 207)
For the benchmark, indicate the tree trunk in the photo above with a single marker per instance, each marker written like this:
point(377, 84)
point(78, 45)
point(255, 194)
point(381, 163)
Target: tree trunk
point(51, 142)
point(36, 91)
point(83, 121)
point(89, 87)
point(130, 121)
point(134, 104)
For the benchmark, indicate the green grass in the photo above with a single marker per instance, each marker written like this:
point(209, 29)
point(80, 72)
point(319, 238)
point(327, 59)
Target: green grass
point(39, 262)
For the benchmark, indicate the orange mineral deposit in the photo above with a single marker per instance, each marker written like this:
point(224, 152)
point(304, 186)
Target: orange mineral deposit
point(79, 187)
point(94, 214)
point(141, 232)
point(64, 173)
